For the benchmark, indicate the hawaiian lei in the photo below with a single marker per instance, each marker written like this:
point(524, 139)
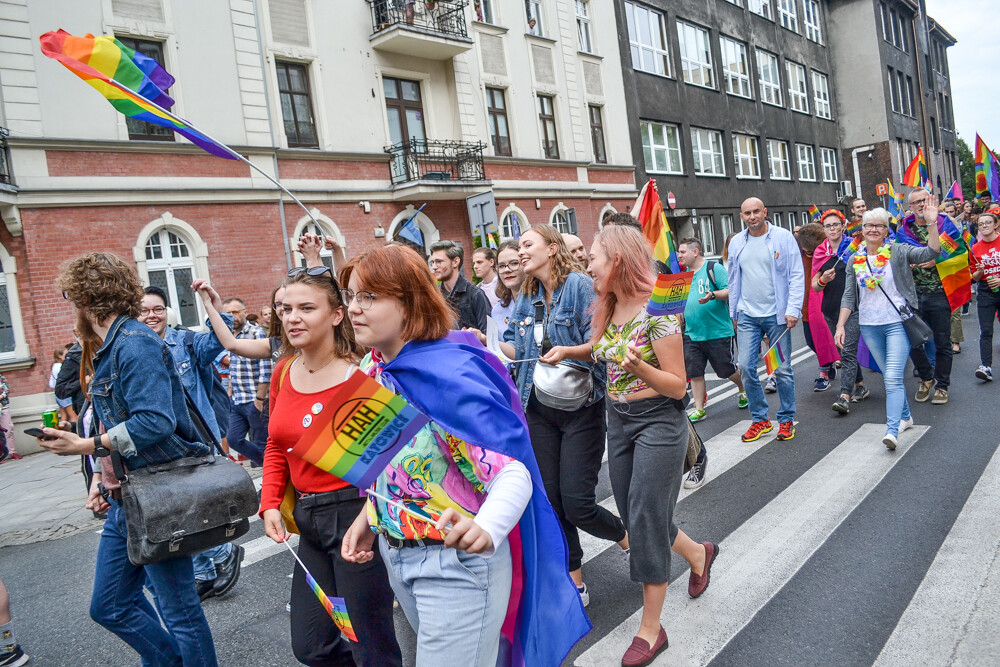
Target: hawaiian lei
point(868, 275)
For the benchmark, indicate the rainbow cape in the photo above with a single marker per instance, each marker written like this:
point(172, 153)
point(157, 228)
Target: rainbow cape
point(987, 178)
point(655, 228)
point(955, 192)
point(133, 83)
point(466, 390)
point(916, 175)
point(952, 267)
point(813, 212)
point(670, 294)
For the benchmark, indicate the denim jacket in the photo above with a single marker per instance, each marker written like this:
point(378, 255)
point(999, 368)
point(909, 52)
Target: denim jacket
point(569, 324)
point(207, 347)
point(139, 398)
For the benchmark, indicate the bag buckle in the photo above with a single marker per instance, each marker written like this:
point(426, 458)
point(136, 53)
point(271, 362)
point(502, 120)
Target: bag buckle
point(176, 539)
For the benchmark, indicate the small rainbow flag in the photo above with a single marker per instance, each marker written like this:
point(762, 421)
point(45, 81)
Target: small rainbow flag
point(948, 244)
point(774, 358)
point(670, 294)
point(336, 607)
point(813, 212)
point(955, 192)
point(358, 431)
point(853, 227)
point(491, 242)
point(851, 248)
point(987, 176)
point(915, 175)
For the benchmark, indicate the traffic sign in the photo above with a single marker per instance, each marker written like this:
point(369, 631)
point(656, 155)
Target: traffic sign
point(671, 200)
point(881, 189)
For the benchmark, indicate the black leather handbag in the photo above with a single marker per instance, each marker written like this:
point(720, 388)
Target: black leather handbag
point(184, 506)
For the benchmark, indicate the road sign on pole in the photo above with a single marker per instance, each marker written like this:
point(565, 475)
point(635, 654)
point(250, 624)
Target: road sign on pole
point(881, 189)
point(671, 200)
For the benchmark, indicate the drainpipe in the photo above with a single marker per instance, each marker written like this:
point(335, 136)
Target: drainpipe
point(922, 15)
point(857, 167)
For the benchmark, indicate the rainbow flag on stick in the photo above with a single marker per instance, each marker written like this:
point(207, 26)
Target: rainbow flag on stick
point(774, 357)
point(336, 607)
point(813, 212)
point(670, 293)
point(955, 192)
point(491, 242)
point(853, 227)
point(987, 178)
point(916, 175)
point(895, 203)
point(648, 210)
point(359, 429)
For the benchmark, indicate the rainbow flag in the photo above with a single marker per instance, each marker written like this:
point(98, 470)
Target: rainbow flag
point(336, 607)
point(916, 175)
point(134, 84)
point(952, 267)
point(948, 245)
point(491, 242)
point(851, 248)
point(670, 293)
point(853, 227)
point(774, 358)
point(987, 177)
point(356, 433)
point(955, 192)
point(813, 212)
point(648, 210)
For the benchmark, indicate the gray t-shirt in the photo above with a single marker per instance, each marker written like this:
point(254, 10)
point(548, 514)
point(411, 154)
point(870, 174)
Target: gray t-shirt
point(756, 286)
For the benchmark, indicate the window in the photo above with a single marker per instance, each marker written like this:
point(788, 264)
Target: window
point(661, 147)
point(807, 162)
point(512, 223)
point(769, 77)
point(894, 28)
point(828, 157)
point(934, 133)
point(597, 133)
point(761, 7)
point(707, 148)
point(810, 16)
point(484, 11)
point(706, 233)
point(798, 92)
point(140, 129)
point(534, 11)
point(696, 55)
point(563, 219)
point(787, 16)
point(885, 21)
point(777, 157)
point(496, 107)
point(647, 38)
point(583, 26)
point(904, 32)
point(547, 127)
point(746, 156)
point(735, 67)
point(893, 90)
point(805, 218)
point(821, 95)
point(910, 107)
point(296, 105)
point(323, 226)
point(405, 114)
point(727, 225)
point(777, 220)
point(7, 337)
point(738, 3)
point(170, 267)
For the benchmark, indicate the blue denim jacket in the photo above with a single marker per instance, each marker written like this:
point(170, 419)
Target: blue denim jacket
point(569, 324)
point(207, 347)
point(138, 396)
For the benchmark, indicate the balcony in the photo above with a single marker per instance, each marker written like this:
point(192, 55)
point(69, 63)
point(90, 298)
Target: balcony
point(436, 162)
point(431, 29)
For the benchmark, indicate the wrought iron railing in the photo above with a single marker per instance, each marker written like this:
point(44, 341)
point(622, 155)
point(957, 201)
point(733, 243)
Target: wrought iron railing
point(429, 160)
point(5, 176)
point(441, 17)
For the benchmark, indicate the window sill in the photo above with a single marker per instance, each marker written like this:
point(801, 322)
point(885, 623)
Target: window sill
point(772, 104)
point(829, 118)
point(490, 27)
point(588, 54)
point(742, 97)
point(700, 85)
point(804, 113)
point(16, 364)
point(787, 179)
point(749, 178)
point(806, 180)
point(665, 173)
point(540, 38)
point(658, 76)
point(710, 175)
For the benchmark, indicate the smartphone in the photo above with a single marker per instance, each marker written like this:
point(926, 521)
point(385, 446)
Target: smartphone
point(38, 433)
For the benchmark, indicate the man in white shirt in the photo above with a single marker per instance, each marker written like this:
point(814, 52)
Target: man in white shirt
point(484, 266)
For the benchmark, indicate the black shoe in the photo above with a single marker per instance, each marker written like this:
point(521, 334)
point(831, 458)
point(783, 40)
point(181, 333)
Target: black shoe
point(229, 572)
point(841, 405)
point(206, 589)
point(831, 372)
point(861, 392)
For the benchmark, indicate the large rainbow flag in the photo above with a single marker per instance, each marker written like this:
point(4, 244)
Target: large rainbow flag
point(670, 294)
point(133, 83)
point(648, 210)
point(987, 177)
point(952, 263)
point(916, 175)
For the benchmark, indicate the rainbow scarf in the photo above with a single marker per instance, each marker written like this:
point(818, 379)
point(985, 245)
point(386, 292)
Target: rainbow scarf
point(953, 266)
point(670, 293)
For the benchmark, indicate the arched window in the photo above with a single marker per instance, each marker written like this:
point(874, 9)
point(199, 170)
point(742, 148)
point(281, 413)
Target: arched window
point(12, 341)
point(171, 256)
point(559, 218)
point(325, 227)
point(606, 213)
point(513, 223)
point(427, 227)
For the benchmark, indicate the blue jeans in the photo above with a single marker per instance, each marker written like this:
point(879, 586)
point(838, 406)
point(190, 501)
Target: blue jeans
point(891, 348)
point(245, 419)
point(119, 604)
point(749, 333)
point(456, 602)
point(204, 562)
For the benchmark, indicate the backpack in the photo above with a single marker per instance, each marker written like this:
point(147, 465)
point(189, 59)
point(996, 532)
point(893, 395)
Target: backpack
point(218, 397)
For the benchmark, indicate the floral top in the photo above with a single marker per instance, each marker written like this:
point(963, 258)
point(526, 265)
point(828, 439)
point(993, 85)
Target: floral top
point(640, 331)
point(433, 472)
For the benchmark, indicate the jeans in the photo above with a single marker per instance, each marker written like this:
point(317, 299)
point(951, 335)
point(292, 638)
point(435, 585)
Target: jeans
point(204, 562)
point(455, 601)
point(749, 333)
point(245, 419)
point(936, 311)
point(889, 345)
point(850, 371)
point(119, 604)
point(987, 307)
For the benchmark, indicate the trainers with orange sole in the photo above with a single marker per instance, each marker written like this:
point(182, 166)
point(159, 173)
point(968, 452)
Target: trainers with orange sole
point(756, 430)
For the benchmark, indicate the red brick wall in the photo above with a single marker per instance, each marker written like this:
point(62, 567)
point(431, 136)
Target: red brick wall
point(609, 176)
point(334, 171)
point(521, 172)
point(97, 163)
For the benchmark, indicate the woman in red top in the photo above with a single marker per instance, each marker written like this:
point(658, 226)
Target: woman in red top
point(315, 324)
point(985, 257)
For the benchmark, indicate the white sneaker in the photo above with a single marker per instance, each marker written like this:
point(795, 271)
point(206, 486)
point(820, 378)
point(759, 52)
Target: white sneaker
point(905, 424)
point(584, 594)
point(889, 441)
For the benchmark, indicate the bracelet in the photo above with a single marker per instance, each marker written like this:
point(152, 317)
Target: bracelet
point(261, 398)
point(821, 283)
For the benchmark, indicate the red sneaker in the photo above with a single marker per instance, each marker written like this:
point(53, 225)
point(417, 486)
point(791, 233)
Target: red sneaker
point(757, 429)
point(786, 431)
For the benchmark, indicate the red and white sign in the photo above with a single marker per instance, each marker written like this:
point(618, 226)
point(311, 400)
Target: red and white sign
point(881, 189)
point(671, 200)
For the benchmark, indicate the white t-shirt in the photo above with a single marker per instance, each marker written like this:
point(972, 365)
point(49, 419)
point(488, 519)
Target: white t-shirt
point(873, 307)
point(490, 290)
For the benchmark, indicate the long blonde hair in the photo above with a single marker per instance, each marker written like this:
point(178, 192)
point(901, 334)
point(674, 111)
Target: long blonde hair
point(561, 264)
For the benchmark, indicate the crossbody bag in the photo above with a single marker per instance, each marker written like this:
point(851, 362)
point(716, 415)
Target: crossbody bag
point(916, 329)
point(563, 386)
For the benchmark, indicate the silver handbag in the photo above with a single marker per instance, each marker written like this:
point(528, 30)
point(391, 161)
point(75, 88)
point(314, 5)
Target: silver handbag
point(564, 386)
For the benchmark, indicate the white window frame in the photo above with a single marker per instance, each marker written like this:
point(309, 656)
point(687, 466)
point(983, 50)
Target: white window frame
point(695, 47)
point(197, 259)
point(746, 147)
point(559, 219)
point(706, 234)
point(427, 227)
point(778, 220)
point(8, 281)
point(806, 157)
point(533, 10)
point(787, 15)
point(706, 146)
point(583, 34)
point(828, 158)
point(326, 227)
point(658, 52)
point(821, 95)
point(798, 89)
point(779, 165)
point(513, 215)
point(489, 15)
point(726, 219)
point(885, 21)
point(811, 19)
point(735, 59)
point(761, 8)
point(647, 144)
point(903, 33)
point(770, 89)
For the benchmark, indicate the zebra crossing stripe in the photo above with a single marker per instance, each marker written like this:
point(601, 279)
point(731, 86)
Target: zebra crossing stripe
point(952, 618)
point(263, 547)
point(758, 558)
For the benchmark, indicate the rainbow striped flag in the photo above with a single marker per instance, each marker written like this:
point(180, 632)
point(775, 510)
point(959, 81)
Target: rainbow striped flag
point(853, 227)
point(134, 84)
point(915, 175)
point(851, 248)
point(655, 228)
point(895, 203)
point(955, 192)
point(358, 431)
point(948, 245)
point(774, 358)
point(953, 267)
point(670, 293)
point(987, 178)
point(491, 241)
point(336, 607)
point(813, 212)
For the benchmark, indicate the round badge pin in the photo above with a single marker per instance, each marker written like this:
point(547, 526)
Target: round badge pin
point(316, 408)
point(307, 420)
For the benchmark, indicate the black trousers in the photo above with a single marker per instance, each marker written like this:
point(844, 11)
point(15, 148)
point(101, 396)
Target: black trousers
point(323, 519)
point(987, 307)
point(569, 447)
point(936, 311)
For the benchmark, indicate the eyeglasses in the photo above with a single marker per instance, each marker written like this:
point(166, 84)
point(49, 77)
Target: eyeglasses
point(364, 298)
point(509, 266)
point(311, 271)
point(836, 225)
point(156, 310)
point(870, 227)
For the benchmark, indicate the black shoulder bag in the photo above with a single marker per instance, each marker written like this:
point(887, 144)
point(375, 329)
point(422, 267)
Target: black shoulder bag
point(916, 329)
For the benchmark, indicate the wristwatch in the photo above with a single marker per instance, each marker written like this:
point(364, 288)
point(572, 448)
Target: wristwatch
point(99, 449)
point(711, 296)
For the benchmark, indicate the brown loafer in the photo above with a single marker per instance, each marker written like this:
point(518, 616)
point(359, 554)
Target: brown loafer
point(641, 653)
point(697, 583)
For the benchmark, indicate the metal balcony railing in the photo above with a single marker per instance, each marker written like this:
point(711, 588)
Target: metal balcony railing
point(442, 17)
point(429, 160)
point(5, 176)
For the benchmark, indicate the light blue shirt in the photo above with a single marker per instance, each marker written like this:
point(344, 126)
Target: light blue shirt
point(787, 274)
point(757, 286)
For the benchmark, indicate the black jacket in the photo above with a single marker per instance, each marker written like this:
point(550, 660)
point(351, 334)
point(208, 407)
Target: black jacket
point(68, 380)
point(469, 303)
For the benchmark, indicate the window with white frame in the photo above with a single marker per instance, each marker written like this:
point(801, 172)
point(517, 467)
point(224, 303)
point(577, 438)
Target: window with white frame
point(706, 233)
point(778, 220)
point(325, 227)
point(12, 341)
point(738, 3)
point(746, 156)
point(769, 77)
point(170, 267)
point(893, 89)
point(560, 220)
point(706, 145)
point(661, 147)
point(821, 95)
point(787, 16)
point(904, 31)
point(511, 224)
point(810, 17)
point(777, 157)
point(696, 55)
point(647, 36)
point(534, 11)
point(484, 11)
point(798, 90)
point(885, 20)
point(583, 26)
point(807, 162)
point(828, 158)
point(735, 67)
point(761, 8)
point(727, 225)
point(805, 218)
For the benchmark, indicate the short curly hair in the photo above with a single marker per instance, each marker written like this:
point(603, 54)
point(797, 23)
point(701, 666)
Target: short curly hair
point(102, 284)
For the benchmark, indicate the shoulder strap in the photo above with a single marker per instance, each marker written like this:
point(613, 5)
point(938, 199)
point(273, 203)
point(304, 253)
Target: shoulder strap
point(894, 307)
point(284, 369)
point(710, 269)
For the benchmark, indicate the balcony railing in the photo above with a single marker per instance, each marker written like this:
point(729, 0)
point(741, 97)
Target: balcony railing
point(445, 18)
point(429, 160)
point(4, 157)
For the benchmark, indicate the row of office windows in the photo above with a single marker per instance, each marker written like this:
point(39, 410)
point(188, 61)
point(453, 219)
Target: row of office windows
point(788, 15)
